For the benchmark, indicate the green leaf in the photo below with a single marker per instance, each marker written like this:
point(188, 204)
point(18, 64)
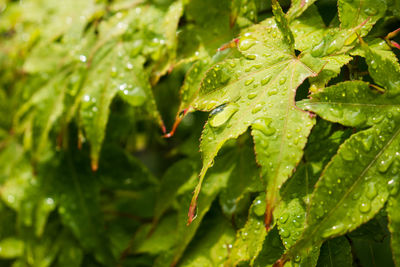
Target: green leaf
point(212, 248)
point(341, 202)
point(330, 70)
point(78, 196)
point(335, 252)
point(115, 73)
point(369, 253)
point(296, 193)
point(394, 218)
point(210, 28)
point(244, 181)
point(173, 179)
point(388, 74)
point(353, 13)
point(11, 248)
point(271, 251)
point(45, 107)
point(258, 91)
point(170, 25)
point(250, 238)
point(298, 7)
point(283, 24)
point(243, 9)
point(352, 103)
point(379, 48)
point(70, 254)
point(180, 232)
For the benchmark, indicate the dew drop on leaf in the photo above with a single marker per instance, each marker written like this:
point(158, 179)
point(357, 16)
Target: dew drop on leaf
point(264, 125)
point(136, 96)
point(222, 115)
point(347, 154)
point(265, 80)
point(259, 207)
point(371, 191)
point(283, 219)
point(245, 43)
point(370, 11)
point(365, 207)
point(249, 81)
point(252, 95)
point(284, 233)
point(272, 91)
point(393, 186)
point(367, 142)
point(334, 230)
point(384, 165)
point(257, 108)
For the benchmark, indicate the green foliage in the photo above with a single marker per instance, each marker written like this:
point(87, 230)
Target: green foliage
point(296, 105)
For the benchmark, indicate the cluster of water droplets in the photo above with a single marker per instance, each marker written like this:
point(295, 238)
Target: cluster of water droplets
point(91, 108)
point(290, 225)
point(248, 10)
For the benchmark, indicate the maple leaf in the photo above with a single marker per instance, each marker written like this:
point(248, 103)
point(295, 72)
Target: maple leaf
point(258, 90)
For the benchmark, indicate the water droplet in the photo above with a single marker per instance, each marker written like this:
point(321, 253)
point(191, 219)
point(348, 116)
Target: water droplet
point(284, 233)
point(373, 64)
point(49, 201)
point(259, 207)
point(249, 81)
point(377, 119)
point(11, 199)
point(86, 98)
point(297, 259)
point(333, 231)
point(356, 196)
point(283, 219)
point(367, 142)
point(246, 43)
point(365, 207)
point(252, 95)
point(296, 223)
point(82, 58)
point(264, 125)
point(136, 96)
point(393, 186)
point(347, 154)
point(272, 91)
point(265, 80)
point(217, 109)
point(257, 108)
point(282, 80)
point(223, 116)
point(251, 56)
point(129, 66)
point(384, 165)
point(370, 11)
point(371, 191)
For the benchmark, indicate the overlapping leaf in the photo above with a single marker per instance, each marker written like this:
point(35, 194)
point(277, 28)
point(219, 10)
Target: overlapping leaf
point(120, 74)
point(335, 252)
point(258, 90)
point(344, 200)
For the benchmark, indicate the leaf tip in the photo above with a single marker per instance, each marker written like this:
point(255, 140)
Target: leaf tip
point(94, 165)
point(192, 214)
